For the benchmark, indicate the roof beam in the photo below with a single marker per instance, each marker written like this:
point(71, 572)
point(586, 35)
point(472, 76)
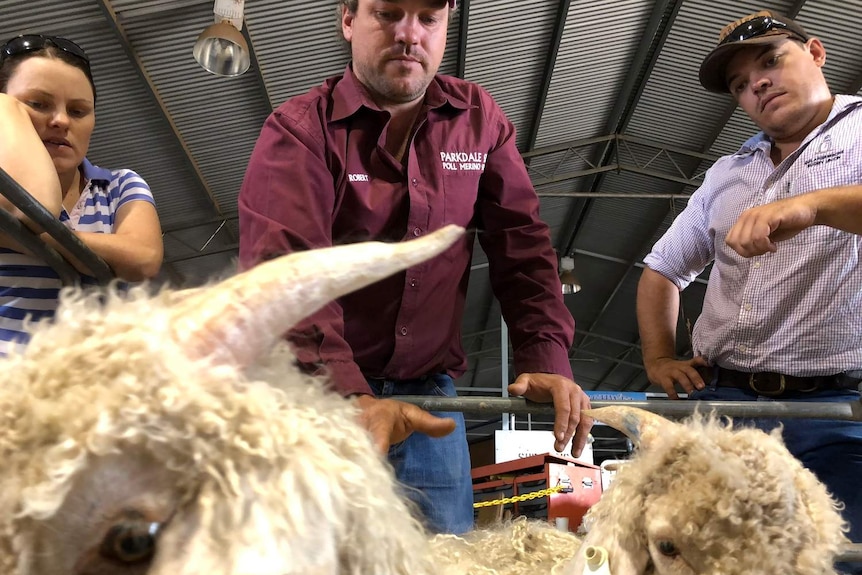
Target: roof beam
point(463, 26)
point(630, 265)
point(550, 64)
point(125, 43)
point(123, 39)
point(658, 27)
point(608, 258)
point(629, 154)
point(614, 368)
point(255, 67)
point(660, 22)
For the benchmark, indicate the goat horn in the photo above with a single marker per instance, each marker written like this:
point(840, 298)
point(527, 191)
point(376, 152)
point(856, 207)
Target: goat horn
point(237, 320)
point(641, 426)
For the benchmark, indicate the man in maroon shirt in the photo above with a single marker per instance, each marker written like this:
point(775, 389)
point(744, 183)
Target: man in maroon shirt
point(391, 150)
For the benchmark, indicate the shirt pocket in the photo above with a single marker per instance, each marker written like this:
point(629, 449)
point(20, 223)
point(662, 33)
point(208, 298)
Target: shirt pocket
point(816, 175)
point(460, 192)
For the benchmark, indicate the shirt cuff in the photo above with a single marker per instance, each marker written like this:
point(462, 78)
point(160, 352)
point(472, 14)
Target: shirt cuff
point(345, 378)
point(657, 264)
point(543, 358)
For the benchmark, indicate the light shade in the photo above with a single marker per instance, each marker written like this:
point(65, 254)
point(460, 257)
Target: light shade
point(568, 279)
point(222, 50)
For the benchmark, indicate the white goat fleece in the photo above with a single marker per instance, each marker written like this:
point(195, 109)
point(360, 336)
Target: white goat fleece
point(135, 419)
point(703, 498)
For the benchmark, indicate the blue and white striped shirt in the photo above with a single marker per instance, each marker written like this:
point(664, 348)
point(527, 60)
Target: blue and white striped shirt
point(797, 311)
point(29, 289)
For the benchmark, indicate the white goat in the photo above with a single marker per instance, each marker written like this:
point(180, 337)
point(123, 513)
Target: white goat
point(702, 498)
point(159, 436)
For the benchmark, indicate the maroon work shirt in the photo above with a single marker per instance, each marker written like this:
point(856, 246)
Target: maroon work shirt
point(320, 175)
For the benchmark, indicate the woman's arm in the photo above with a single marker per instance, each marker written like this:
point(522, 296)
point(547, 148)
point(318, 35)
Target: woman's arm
point(24, 157)
point(134, 251)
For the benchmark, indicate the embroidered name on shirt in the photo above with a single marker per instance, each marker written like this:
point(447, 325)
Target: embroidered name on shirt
point(824, 158)
point(463, 161)
point(357, 177)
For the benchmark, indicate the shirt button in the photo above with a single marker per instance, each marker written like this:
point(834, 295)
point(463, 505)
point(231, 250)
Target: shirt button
point(413, 282)
point(756, 265)
point(748, 307)
point(742, 348)
point(403, 331)
point(414, 181)
point(417, 232)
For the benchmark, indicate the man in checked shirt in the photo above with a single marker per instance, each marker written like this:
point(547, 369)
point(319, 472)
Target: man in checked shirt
point(781, 220)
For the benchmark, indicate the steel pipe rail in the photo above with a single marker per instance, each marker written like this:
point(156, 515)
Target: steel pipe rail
point(13, 227)
point(851, 552)
point(22, 200)
point(847, 411)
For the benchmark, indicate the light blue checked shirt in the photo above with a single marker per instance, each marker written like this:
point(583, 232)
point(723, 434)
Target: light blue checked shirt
point(797, 311)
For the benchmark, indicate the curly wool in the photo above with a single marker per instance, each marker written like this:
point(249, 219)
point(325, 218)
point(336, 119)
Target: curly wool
point(736, 496)
point(519, 547)
point(108, 379)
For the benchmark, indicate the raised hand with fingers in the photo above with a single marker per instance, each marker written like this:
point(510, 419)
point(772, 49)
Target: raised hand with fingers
point(569, 400)
point(390, 421)
point(670, 373)
point(759, 229)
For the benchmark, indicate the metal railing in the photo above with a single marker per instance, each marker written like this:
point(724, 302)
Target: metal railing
point(28, 205)
point(851, 553)
point(846, 411)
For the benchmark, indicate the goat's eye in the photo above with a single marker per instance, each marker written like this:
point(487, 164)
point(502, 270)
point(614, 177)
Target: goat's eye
point(130, 542)
point(667, 548)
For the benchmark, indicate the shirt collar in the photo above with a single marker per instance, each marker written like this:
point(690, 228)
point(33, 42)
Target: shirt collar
point(843, 101)
point(759, 141)
point(96, 174)
point(349, 95)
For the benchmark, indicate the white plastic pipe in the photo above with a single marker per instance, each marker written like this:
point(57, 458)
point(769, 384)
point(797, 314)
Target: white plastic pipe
point(596, 561)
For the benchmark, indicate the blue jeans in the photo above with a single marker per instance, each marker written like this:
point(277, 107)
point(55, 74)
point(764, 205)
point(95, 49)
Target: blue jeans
point(831, 449)
point(434, 472)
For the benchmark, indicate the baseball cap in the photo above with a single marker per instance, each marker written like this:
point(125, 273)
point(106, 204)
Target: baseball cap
point(764, 27)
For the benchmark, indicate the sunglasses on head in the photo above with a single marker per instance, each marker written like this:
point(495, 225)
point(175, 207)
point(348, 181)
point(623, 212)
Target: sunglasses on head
point(35, 42)
point(758, 26)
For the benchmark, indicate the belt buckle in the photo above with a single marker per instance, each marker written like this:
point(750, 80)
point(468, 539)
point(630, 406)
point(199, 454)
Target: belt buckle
point(782, 384)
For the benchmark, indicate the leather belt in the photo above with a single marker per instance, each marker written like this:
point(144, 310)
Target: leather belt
point(772, 384)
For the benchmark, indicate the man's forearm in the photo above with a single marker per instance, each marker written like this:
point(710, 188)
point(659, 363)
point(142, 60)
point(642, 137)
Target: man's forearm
point(840, 208)
point(657, 310)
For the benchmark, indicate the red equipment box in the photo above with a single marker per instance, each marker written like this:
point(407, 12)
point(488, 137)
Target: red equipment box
point(579, 485)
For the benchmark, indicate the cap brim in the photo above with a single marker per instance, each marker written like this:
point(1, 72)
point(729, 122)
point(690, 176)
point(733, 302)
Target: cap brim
point(713, 70)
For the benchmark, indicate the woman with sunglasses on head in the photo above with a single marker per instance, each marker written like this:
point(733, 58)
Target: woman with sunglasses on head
point(111, 211)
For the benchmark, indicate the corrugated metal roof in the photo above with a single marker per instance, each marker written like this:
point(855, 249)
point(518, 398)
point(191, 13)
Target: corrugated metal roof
point(510, 70)
point(596, 51)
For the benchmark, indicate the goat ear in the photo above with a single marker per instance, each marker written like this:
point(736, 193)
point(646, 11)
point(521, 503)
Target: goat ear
point(641, 426)
point(238, 320)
